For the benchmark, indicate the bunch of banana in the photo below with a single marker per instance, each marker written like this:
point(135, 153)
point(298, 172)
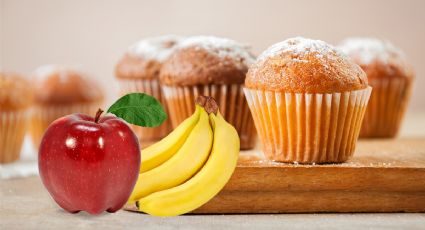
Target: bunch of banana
point(190, 166)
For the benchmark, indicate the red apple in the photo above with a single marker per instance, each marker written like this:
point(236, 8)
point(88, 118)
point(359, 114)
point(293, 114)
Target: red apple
point(89, 165)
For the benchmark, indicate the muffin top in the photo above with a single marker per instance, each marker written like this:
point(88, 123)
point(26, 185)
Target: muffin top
point(378, 58)
point(203, 60)
point(15, 92)
point(55, 85)
point(301, 65)
point(144, 59)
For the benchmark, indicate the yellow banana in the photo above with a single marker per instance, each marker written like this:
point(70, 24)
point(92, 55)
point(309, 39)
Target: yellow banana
point(182, 165)
point(206, 183)
point(163, 150)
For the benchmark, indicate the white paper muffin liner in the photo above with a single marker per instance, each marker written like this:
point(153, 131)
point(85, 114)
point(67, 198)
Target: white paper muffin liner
point(231, 100)
point(386, 108)
point(13, 125)
point(42, 116)
point(147, 135)
point(308, 128)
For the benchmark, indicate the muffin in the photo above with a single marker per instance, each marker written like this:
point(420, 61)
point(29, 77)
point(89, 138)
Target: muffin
point(391, 78)
point(307, 100)
point(138, 71)
point(59, 91)
point(209, 66)
point(15, 99)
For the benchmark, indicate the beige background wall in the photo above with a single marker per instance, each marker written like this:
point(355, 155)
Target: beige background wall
point(93, 34)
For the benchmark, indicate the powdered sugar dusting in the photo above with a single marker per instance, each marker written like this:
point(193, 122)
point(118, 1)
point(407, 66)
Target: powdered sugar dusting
point(62, 77)
point(222, 47)
point(368, 50)
point(305, 65)
point(298, 47)
point(44, 72)
point(155, 48)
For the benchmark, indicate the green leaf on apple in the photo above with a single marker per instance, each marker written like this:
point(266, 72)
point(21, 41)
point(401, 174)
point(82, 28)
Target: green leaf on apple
point(139, 109)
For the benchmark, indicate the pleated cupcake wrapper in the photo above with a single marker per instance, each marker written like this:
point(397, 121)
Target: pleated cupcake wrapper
point(12, 131)
point(147, 135)
point(42, 116)
point(386, 108)
point(231, 100)
point(308, 128)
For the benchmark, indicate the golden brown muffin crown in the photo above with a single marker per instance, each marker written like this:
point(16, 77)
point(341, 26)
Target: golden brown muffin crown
point(301, 65)
point(15, 92)
point(60, 86)
point(202, 60)
point(378, 58)
point(144, 59)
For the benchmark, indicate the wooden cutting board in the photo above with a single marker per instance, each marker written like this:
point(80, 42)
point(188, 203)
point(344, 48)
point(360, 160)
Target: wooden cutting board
point(383, 176)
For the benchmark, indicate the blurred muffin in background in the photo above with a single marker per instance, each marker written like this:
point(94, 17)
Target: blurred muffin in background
point(15, 99)
point(211, 66)
point(59, 91)
point(391, 78)
point(138, 71)
point(307, 100)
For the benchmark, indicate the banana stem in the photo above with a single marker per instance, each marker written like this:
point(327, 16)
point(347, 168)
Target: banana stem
point(211, 106)
point(208, 103)
point(201, 100)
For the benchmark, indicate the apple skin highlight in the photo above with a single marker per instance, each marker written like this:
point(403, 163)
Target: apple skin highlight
point(87, 165)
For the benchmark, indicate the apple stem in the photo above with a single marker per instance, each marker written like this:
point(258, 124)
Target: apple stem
point(98, 113)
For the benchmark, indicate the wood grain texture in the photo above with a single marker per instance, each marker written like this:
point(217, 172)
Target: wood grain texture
point(383, 176)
